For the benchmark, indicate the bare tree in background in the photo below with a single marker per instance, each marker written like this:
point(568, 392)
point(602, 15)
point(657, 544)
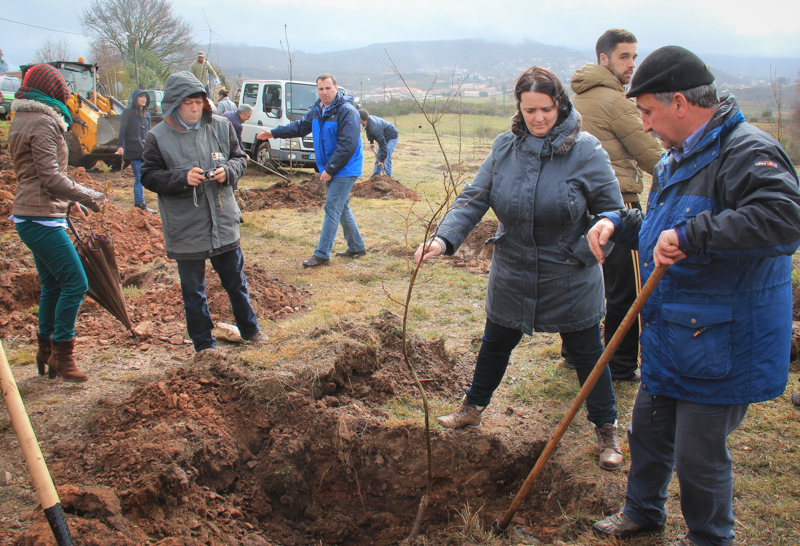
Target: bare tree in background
point(54, 51)
point(145, 25)
point(109, 61)
point(290, 59)
point(777, 91)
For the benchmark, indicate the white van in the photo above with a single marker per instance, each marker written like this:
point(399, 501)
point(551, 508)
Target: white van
point(277, 102)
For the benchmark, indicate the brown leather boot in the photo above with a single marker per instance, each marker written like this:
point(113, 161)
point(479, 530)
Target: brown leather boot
point(43, 355)
point(63, 361)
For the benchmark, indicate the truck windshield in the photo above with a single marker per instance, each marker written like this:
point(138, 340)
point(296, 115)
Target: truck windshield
point(300, 97)
point(78, 78)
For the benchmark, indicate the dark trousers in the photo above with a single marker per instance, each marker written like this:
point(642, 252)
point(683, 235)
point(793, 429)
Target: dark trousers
point(621, 278)
point(667, 434)
point(230, 268)
point(584, 348)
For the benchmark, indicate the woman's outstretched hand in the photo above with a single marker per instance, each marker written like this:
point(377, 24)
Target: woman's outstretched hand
point(431, 249)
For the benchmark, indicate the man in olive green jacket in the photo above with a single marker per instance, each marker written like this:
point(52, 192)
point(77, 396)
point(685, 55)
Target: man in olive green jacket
point(615, 122)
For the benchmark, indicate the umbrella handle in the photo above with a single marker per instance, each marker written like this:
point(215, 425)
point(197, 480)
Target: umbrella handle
point(69, 220)
point(42, 481)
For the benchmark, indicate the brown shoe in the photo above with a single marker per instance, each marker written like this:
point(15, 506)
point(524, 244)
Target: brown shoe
point(349, 254)
point(608, 442)
point(63, 361)
point(43, 355)
point(620, 526)
point(468, 415)
point(313, 261)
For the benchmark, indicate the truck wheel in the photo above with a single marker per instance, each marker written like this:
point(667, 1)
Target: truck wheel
point(264, 156)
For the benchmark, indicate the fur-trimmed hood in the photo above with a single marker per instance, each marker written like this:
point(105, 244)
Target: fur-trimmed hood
point(27, 105)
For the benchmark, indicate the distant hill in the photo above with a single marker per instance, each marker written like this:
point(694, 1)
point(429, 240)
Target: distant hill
point(417, 61)
point(488, 62)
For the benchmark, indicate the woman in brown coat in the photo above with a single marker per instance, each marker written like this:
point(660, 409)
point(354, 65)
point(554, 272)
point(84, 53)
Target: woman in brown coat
point(36, 142)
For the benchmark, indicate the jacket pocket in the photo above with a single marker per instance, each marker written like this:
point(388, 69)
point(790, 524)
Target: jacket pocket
point(698, 339)
point(571, 201)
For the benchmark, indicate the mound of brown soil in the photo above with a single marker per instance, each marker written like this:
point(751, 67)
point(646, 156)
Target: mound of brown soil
point(197, 457)
point(475, 255)
point(383, 187)
point(307, 195)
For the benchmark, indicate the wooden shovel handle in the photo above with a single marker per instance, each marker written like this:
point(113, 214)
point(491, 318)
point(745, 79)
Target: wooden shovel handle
point(37, 467)
point(502, 525)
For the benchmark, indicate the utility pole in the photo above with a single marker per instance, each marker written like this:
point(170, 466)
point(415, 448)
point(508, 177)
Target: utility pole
point(136, 66)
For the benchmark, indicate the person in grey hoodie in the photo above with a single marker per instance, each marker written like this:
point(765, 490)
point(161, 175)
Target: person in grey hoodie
point(544, 180)
point(193, 162)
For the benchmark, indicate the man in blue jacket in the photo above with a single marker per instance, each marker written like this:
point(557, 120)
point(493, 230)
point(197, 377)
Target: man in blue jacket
point(386, 135)
point(334, 123)
point(724, 214)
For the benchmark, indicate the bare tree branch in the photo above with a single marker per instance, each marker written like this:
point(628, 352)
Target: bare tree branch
point(149, 25)
point(54, 51)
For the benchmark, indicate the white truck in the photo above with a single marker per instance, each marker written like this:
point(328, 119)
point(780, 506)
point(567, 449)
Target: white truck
point(274, 103)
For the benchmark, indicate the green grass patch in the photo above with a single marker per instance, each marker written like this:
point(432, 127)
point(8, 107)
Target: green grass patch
point(21, 358)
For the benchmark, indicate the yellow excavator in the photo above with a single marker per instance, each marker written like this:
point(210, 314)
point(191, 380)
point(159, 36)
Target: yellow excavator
point(95, 116)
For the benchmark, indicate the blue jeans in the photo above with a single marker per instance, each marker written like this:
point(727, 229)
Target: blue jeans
point(667, 434)
point(138, 189)
point(584, 348)
point(337, 210)
point(230, 268)
point(64, 282)
point(387, 163)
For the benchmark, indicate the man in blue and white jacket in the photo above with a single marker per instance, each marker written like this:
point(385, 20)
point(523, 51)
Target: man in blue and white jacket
point(724, 215)
point(335, 124)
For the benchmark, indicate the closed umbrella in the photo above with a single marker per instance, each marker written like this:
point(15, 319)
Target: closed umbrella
point(100, 264)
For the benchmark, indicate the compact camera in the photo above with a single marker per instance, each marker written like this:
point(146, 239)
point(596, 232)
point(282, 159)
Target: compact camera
point(209, 174)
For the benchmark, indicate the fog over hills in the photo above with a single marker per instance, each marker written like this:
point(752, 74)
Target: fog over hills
point(491, 62)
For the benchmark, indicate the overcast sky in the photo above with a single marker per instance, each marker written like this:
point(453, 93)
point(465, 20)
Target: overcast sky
point(737, 27)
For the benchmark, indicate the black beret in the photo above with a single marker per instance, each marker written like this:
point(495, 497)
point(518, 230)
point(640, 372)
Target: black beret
point(669, 69)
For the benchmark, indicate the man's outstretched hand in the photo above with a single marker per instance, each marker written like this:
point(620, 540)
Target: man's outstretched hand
point(598, 238)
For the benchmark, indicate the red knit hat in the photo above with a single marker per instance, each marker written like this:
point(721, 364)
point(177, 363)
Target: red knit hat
point(48, 80)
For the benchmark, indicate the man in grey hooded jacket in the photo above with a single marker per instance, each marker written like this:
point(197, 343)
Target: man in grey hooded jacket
point(193, 162)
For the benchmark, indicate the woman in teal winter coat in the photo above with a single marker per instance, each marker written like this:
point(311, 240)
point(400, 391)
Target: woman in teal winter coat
point(544, 180)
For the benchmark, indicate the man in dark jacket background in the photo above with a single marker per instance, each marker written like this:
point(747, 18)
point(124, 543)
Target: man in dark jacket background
point(386, 135)
point(134, 125)
point(237, 118)
point(612, 118)
point(724, 215)
point(193, 161)
point(334, 123)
